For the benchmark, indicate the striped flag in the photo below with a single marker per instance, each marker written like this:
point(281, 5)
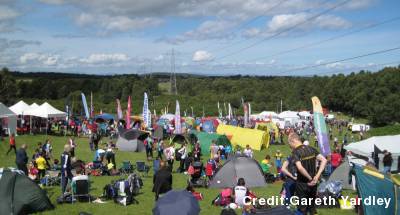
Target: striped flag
point(320, 127)
point(178, 126)
point(146, 118)
point(119, 110)
point(85, 106)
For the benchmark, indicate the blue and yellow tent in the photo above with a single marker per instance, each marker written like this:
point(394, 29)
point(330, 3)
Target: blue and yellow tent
point(371, 183)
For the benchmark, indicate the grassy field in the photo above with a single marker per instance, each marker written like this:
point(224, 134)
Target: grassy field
point(146, 199)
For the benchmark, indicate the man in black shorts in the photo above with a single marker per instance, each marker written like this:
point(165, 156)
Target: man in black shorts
point(305, 159)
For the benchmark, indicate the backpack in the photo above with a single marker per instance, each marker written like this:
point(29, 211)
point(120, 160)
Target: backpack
point(110, 192)
point(135, 183)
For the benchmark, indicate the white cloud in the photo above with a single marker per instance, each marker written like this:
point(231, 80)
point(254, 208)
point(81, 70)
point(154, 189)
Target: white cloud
point(116, 23)
point(210, 29)
point(105, 58)
point(7, 13)
point(14, 44)
point(298, 22)
point(39, 59)
point(285, 21)
point(202, 55)
point(53, 1)
point(125, 15)
point(122, 23)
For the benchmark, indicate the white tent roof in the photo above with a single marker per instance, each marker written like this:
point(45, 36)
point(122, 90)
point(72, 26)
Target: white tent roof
point(20, 107)
point(45, 111)
point(34, 105)
point(305, 113)
point(168, 116)
point(5, 111)
point(366, 147)
point(289, 114)
point(268, 113)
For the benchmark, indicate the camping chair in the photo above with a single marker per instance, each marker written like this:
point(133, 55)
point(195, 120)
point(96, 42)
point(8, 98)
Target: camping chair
point(156, 165)
point(53, 178)
point(81, 189)
point(126, 167)
point(142, 168)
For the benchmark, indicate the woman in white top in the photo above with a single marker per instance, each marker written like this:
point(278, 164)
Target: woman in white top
point(169, 153)
point(240, 192)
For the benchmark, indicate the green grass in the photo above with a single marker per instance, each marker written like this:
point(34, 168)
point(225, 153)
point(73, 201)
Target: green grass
point(146, 199)
point(386, 130)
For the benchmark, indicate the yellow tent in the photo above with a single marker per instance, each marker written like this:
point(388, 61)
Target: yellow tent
point(268, 127)
point(245, 136)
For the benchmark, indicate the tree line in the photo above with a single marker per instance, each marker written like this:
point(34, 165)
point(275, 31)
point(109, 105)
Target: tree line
point(375, 96)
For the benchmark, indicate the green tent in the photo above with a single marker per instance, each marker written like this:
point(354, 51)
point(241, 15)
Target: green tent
point(206, 140)
point(377, 185)
point(20, 195)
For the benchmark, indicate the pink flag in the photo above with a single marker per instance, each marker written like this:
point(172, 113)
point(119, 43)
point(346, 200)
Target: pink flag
point(128, 114)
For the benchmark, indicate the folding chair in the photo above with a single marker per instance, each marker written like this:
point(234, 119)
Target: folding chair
point(127, 167)
point(142, 168)
point(81, 189)
point(53, 178)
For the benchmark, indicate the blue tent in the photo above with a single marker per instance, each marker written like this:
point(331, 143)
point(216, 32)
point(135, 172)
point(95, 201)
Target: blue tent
point(177, 203)
point(374, 184)
point(105, 116)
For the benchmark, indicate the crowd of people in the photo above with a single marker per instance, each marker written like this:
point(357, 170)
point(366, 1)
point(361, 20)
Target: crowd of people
point(300, 171)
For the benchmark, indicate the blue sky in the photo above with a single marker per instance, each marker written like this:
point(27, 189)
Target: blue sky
point(215, 37)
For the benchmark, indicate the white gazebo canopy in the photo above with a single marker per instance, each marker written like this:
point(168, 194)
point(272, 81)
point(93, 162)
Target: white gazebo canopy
point(45, 111)
point(268, 114)
point(168, 116)
point(305, 113)
point(366, 147)
point(34, 105)
point(20, 107)
point(11, 122)
point(289, 114)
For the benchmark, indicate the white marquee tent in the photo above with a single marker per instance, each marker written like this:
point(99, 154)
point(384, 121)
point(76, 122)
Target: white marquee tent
point(366, 147)
point(8, 119)
point(45, 111)
point(291, 117)
point(265, 115)
point(305, 115)
point(20, 108)
point(34, 105)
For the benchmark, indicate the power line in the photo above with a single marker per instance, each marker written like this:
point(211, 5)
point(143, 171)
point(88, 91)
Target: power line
point(245, 24)
point(330, 39)
point(342, 60)
point(284, 30)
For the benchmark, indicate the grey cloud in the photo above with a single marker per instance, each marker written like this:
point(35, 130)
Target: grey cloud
point(14, 44)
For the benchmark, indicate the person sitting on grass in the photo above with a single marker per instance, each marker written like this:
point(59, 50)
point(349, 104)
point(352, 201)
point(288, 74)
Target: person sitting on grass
point(266, 165)
point(240, 191)
point(56, 165)
point(41, 166)
point(197, 195)
point(80, 176)
point(33, 171)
